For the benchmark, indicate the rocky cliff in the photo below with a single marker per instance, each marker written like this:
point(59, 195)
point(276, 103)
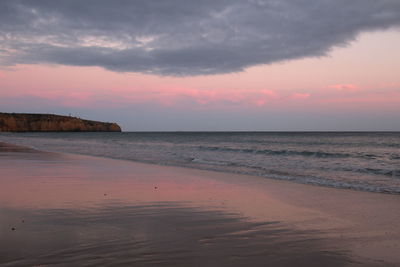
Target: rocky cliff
point(22, 122)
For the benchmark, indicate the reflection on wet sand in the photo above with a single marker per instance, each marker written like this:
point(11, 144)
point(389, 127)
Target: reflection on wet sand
point(168, 234)
point(70, 210)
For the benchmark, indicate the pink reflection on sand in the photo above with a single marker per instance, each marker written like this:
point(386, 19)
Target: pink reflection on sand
point(82, 182)
point(43, 181)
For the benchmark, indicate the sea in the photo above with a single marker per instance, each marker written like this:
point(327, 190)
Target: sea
point(365, 161)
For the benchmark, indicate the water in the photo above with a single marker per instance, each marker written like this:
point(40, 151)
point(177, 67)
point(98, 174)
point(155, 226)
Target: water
point(360, 161)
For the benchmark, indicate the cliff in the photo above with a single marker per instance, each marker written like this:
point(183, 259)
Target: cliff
point(22, 122)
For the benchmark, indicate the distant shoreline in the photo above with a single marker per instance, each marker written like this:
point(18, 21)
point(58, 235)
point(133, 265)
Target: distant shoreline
point(30, 122)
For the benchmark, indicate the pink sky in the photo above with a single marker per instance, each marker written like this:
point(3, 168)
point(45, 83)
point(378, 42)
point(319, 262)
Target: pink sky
point(361, 80)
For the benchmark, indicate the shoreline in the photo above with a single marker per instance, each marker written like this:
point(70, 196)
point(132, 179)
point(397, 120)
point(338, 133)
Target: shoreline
point(354, 226)
point(216, 168)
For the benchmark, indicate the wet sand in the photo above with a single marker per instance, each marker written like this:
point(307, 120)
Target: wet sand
point(72, 210)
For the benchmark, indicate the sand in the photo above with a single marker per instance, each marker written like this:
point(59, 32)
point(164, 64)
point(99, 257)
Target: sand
point(73, 210)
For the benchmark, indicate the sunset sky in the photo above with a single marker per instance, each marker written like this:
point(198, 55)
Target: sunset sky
point(178, 65)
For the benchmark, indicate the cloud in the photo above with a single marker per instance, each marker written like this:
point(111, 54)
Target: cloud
point(300, 96)
point(345, 87)
point(180, 37)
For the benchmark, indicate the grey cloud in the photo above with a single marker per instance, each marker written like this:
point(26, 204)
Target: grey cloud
point(181, 37)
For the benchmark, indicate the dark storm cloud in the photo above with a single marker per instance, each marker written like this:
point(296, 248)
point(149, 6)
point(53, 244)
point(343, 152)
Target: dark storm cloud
point(181, 37)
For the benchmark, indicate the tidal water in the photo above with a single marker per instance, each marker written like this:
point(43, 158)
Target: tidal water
point(367, 161)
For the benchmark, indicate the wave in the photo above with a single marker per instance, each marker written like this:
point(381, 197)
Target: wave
point(394, 173)
point(384, 172)
point(394, 157)
point(317, 154)
point(337, 182)
point(335, 165)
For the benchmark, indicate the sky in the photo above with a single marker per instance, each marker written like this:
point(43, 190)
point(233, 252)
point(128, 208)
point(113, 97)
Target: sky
point(205, 65)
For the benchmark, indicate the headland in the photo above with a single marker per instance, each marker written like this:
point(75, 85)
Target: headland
point(27, 122)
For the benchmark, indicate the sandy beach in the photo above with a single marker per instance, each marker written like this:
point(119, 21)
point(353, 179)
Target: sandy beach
point(72, 210)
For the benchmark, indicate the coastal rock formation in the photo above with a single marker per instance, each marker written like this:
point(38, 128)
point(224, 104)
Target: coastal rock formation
point(23, 122)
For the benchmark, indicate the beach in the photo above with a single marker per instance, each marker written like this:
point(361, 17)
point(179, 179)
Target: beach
point(199, 133)
point(61, 209)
